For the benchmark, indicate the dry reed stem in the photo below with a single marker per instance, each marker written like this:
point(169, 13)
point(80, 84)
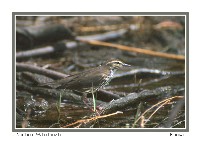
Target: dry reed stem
point(91, 119)
point(103, 27)
point(134, 49)
point(156, 111)
point(163, 102)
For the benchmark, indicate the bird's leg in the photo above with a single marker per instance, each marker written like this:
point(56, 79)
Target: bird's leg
point(85, 100)
point(87, 103)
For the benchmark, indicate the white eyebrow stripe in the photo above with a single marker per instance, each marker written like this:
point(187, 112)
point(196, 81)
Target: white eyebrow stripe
point(115, 62)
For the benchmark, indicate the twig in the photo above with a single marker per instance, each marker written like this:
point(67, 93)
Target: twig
point(166, 102)
point(163, 102)
point(39, 70)
point(142, 122)
point(134, 49)
point(45, 50)
point(92, 119)
point(103, 36)
point(174, 112)
point(168, 25)
point(106, 27)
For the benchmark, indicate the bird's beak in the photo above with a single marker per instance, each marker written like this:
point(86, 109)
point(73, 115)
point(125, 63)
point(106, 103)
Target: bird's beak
point(126, 65)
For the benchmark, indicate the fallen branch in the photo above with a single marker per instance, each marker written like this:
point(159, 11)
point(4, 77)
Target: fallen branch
point(69, 45)
point(35, 69)
point(46, 50)
point(160, 76)
point(32, 36)
point(109, 95)
point(47, 93)
point(148, 71)
point(134, 49)
point(103, 36)
point(133, 98)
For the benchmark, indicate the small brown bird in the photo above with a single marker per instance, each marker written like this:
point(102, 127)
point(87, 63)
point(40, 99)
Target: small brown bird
point(89, 80)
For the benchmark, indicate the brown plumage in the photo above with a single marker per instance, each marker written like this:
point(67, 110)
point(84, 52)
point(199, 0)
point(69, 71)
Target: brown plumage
point(88, 80)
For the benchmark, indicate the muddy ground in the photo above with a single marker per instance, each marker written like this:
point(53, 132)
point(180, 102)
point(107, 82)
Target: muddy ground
point(152, 82)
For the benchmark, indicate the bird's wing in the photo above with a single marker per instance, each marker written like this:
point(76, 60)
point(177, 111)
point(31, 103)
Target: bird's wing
point(79, 81)
point(86, 79)
point(59, 82)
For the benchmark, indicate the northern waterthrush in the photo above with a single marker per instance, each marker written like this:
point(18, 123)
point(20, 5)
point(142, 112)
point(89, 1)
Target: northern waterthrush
point(89, 80)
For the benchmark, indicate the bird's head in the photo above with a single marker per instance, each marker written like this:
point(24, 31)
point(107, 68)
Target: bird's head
point(116, 64)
